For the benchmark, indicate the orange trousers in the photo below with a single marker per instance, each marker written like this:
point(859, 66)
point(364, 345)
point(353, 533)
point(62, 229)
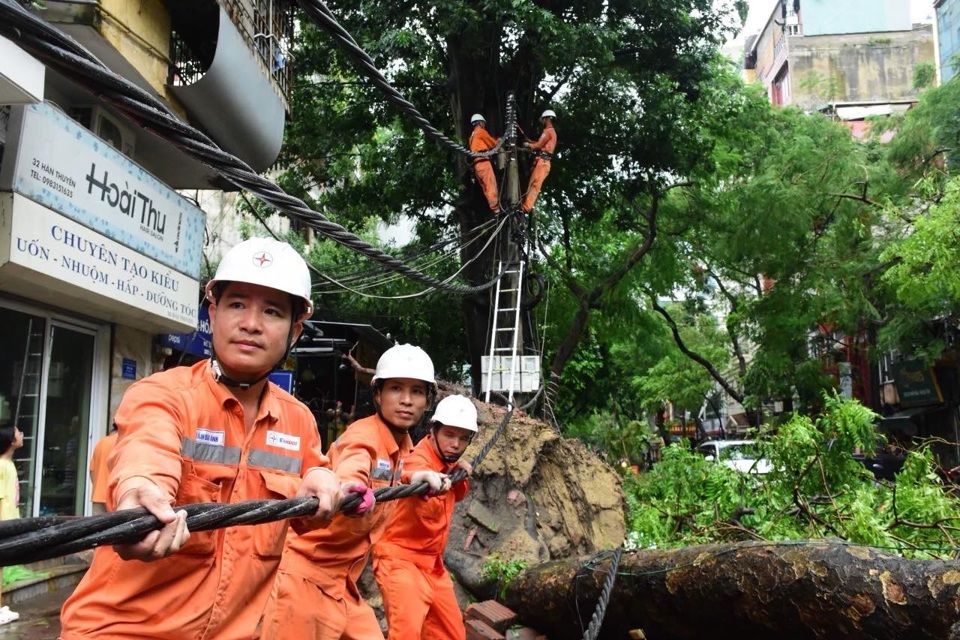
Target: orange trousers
point(541, 168)
point(300, 609)
point(488, 182)
point(419, 603)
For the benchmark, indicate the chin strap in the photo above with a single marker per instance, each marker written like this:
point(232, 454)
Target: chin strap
point(395, 430)
point(220, 376)
point(443, 456)
point(223, 378)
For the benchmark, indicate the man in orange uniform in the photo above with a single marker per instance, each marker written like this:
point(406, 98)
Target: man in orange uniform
point(315, 596)
point(214, 432)
point(480, 140)
point(99, 471)
point(543, 149)
point(408, 561)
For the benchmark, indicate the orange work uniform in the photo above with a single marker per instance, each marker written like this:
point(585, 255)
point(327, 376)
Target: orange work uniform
point(316, 593)
point(408, 561)
point(541, 165)
point(187, 433)
point(480, 140)
point(98, 468)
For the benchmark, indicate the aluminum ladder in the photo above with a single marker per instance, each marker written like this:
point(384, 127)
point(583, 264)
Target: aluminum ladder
point(506, 324)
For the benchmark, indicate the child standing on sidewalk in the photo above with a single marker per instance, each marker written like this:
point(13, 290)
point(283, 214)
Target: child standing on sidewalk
point(11, 439)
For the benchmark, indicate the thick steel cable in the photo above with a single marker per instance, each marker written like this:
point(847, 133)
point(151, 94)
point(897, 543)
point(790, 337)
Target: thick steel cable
point(33, 539)
point(593, 629)
point(321, 16)
point(437, 252)
point(426, 291)
point(61, 53)
point(382, 280)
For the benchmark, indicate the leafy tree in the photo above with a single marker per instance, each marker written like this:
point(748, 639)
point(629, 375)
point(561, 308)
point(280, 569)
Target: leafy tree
point(816, 489)
point(626, 78)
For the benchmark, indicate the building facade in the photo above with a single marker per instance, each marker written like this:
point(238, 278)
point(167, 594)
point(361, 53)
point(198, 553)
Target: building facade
point(100, 254)
point(814, 54)
point(947, 34)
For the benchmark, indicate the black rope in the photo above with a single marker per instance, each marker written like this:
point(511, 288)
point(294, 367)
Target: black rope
point(63, 54)
point(33, 539)
point(593, 629)
point(321, 15)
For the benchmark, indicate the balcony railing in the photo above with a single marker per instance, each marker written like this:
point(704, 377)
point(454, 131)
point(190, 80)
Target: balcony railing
point(267, 28)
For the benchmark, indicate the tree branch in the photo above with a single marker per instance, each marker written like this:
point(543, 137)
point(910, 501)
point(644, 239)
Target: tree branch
point(696, 357)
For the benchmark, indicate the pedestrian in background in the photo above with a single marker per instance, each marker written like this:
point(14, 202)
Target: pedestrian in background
point(98, 470)
point(11, 439)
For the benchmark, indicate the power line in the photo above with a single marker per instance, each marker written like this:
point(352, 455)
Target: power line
point(321, 16)
point(63, 54)
point(425, 291)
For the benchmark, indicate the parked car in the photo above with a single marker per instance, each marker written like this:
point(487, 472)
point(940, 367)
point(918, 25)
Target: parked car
point(739, 455)
point(883, 464)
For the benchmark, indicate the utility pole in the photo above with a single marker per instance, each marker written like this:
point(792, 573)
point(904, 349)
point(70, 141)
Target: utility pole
point(511, 250)
point(503, 366)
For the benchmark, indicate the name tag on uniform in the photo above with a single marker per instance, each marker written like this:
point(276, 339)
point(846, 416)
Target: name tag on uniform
point(216, 438)
point(381, 471)
point(283, 440)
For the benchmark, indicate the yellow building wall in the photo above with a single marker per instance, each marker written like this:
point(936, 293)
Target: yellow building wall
point(140, 31)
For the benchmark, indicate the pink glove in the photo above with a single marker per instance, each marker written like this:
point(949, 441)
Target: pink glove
point(366, 502)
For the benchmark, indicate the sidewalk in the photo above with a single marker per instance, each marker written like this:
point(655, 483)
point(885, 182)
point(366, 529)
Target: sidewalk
point(39, 618)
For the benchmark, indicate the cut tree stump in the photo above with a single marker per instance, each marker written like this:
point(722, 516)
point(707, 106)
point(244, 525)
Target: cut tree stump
point(789, 591)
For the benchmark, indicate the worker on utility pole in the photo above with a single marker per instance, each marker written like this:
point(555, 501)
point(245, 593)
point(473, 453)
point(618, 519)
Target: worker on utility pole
point(417, 590)
point(543, 152)
point(481, 140)
point(315, 596)
point(214, 432)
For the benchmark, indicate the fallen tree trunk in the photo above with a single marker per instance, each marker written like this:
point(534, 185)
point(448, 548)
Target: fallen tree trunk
point(790, 591)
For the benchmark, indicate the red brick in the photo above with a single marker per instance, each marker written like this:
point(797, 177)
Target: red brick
point(492, 613)
point(524, 633)
point(477, 630)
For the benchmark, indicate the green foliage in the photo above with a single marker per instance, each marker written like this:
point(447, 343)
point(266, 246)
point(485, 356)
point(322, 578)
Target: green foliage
point(613, 436)
point(816, 489)
point(924, 75)
point(923, 278)
point(503, 571)
point(770, 219)
point(383, 300)
point(927, 133)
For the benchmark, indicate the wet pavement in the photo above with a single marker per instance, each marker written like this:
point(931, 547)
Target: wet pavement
point(39, 618)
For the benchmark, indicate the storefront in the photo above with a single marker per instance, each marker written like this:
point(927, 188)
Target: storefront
point(97, 257)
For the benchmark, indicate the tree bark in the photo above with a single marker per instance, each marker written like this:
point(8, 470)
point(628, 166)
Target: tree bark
point(788, 591)
point(473, 88)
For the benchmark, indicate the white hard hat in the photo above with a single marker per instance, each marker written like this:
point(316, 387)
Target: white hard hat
point(456, 411)
point(477, 117)
point(405, 361)
point(268, 263)
point(548, 114)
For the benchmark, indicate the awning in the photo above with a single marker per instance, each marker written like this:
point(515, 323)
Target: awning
point(905, 421)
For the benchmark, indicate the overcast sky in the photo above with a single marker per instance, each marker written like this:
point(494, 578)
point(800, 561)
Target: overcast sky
point(760, 10)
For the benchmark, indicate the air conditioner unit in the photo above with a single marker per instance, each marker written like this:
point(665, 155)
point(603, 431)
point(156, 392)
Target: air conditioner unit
point(107, 127)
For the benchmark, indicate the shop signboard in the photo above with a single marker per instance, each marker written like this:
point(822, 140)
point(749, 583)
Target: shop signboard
point(54, 161)
point(48, 256)
point(196, 342)
point(916, 384)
